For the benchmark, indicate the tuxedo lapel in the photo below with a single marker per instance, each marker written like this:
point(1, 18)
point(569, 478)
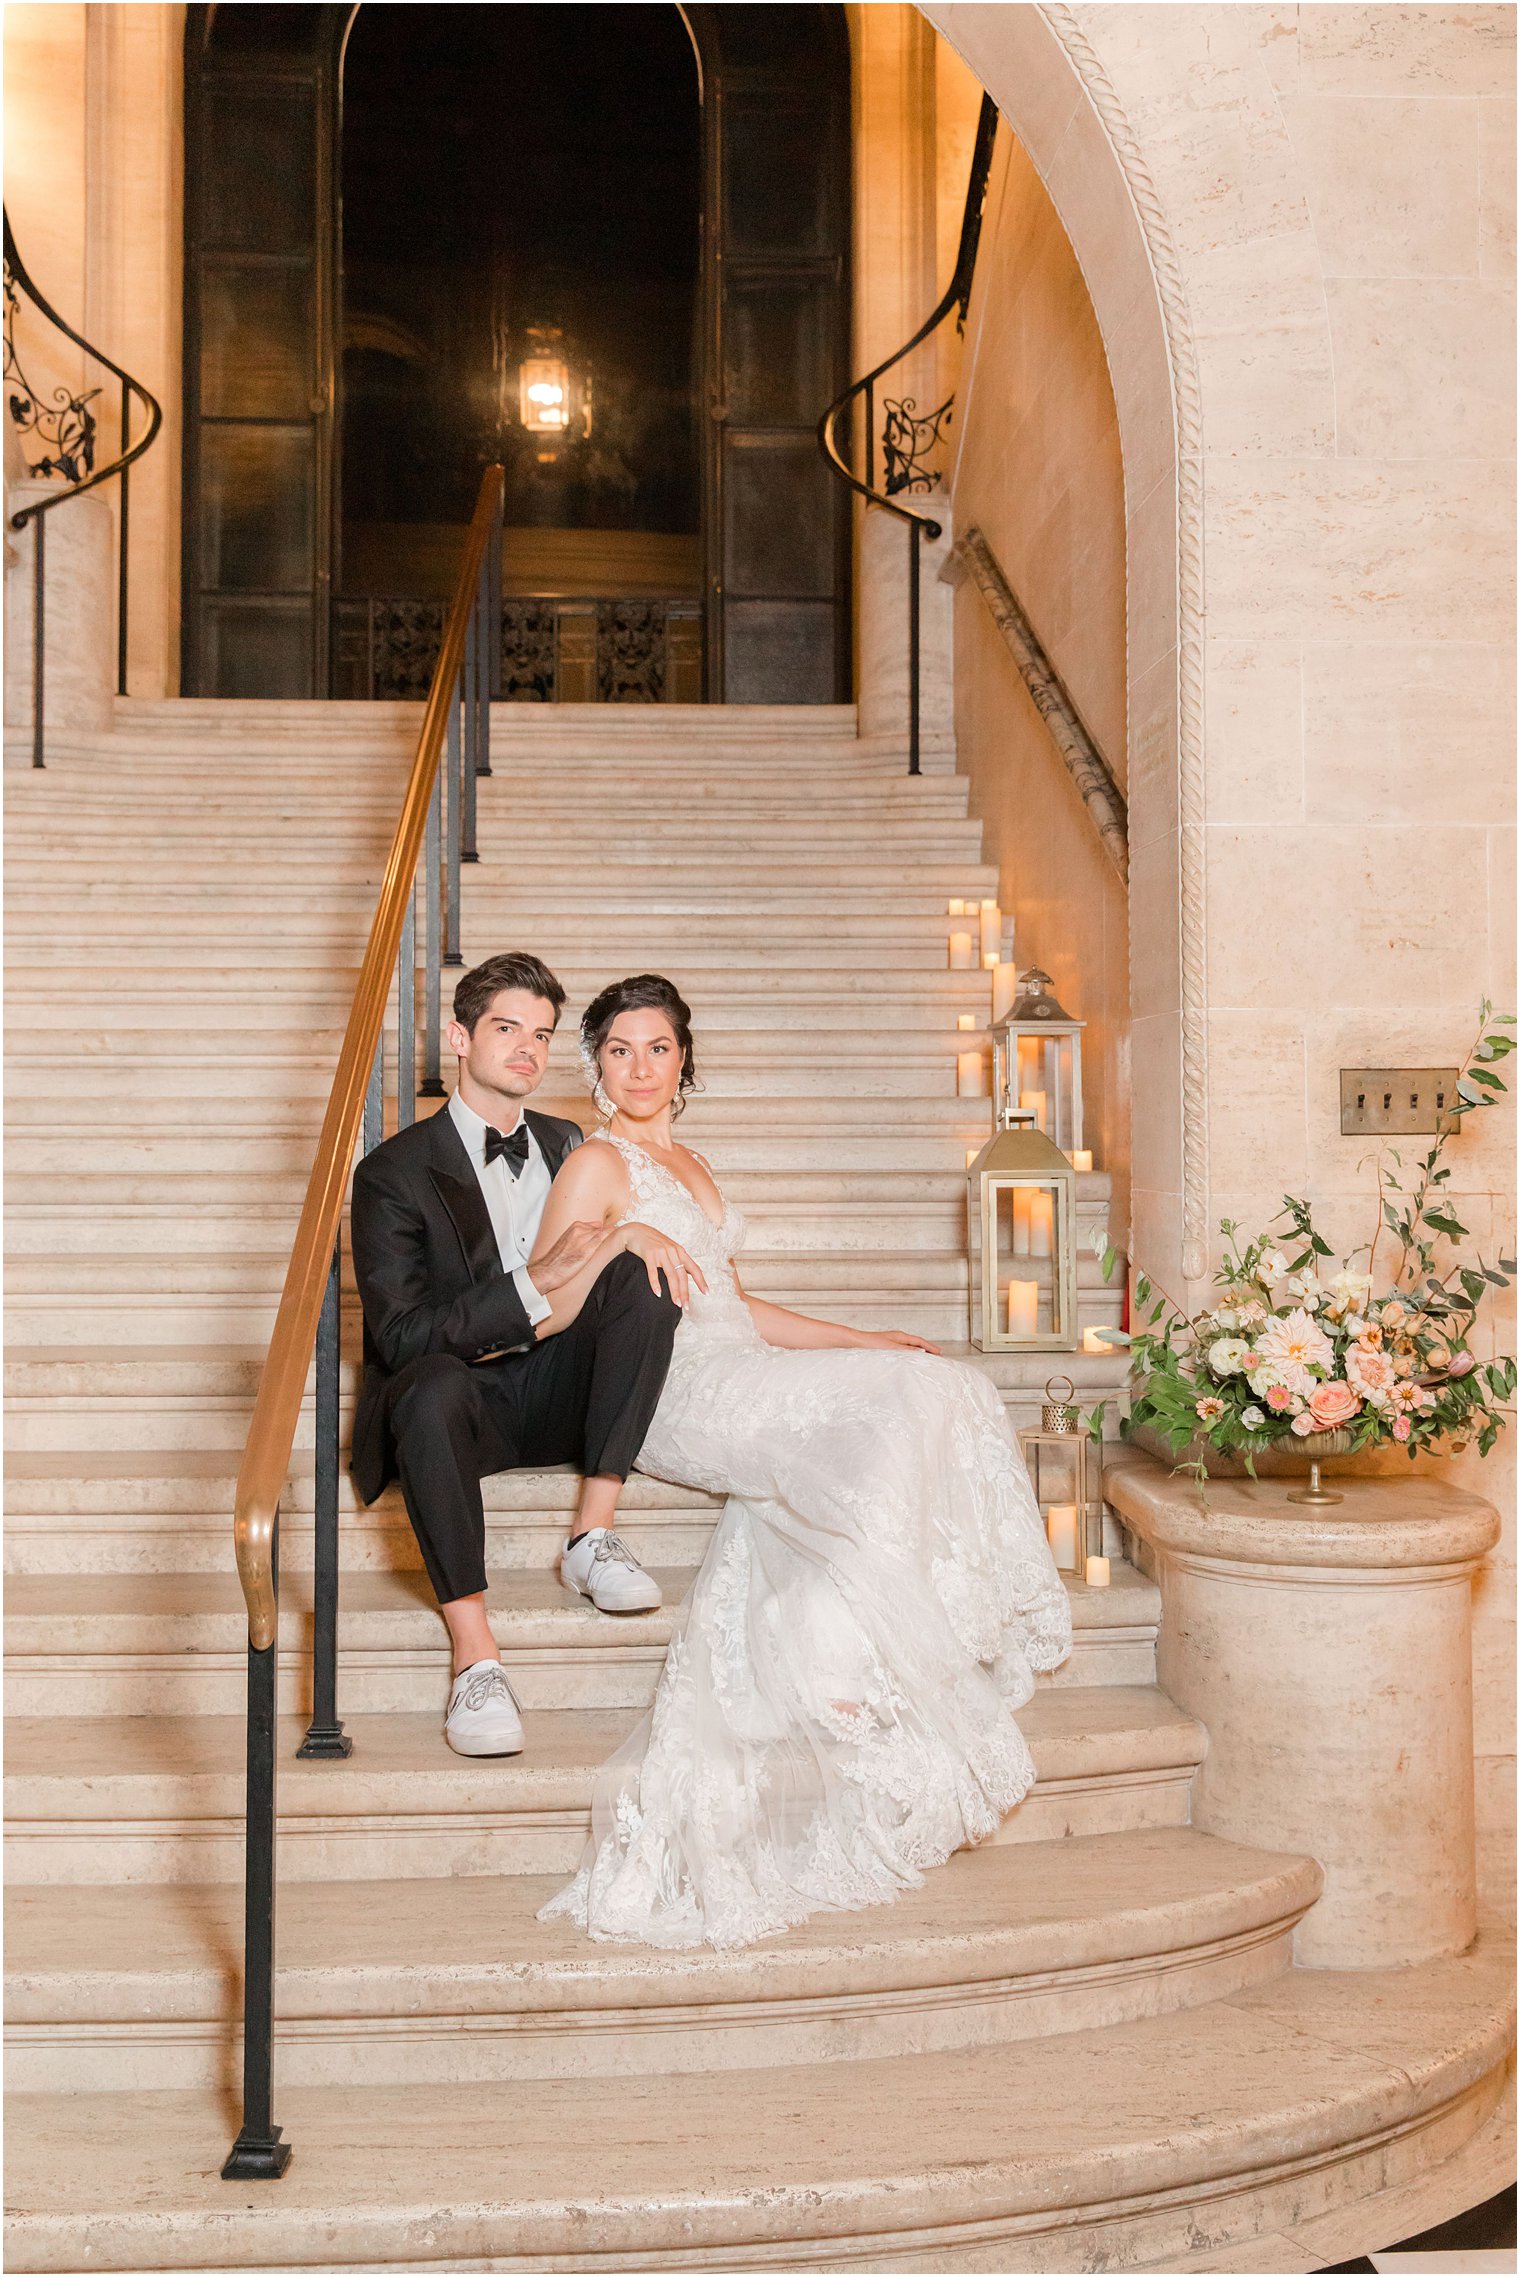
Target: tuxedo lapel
point(553, 1139)
point(458, 1189)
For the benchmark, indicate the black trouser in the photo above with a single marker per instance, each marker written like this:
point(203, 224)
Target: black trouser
point(586, 1396)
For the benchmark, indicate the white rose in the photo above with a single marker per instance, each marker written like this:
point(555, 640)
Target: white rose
point(1229, 1356)
point(1227, 1319)
point(1253, 1419)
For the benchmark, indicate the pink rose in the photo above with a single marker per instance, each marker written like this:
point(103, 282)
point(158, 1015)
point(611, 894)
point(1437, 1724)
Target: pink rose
point(1333, 1404)
point(1401, 1427)
point(1304, 1424)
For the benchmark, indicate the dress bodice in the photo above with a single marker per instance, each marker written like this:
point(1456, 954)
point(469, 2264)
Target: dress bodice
point(660, 1199)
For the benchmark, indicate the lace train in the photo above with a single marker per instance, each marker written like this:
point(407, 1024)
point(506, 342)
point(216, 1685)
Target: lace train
point(836, 1710)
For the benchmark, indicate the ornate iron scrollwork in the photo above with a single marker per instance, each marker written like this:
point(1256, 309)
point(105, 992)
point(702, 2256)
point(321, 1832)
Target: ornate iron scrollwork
point(527, 652)
point(630, 652)
point(65, 425)
point(909, 442)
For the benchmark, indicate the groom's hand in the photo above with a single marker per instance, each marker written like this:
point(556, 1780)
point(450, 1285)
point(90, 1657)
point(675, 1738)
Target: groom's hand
point(563, 1259)
point(662, 1255)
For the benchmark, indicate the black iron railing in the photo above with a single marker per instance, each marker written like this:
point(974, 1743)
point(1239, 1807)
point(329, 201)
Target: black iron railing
point(436, 828)
point(909, 438)
point(66, 427)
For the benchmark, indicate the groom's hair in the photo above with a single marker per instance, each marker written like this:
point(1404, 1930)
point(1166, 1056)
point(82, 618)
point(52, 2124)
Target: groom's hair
point(514, 968)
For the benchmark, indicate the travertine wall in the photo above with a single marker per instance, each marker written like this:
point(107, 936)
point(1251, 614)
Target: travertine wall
point(1039, 471)
point(93, 110)
point(1324, 843)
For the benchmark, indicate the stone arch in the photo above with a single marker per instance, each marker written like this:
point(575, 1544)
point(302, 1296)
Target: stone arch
point(1051, 86)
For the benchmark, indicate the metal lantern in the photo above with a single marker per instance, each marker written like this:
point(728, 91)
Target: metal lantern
point(1021, 1210)
point(1056, 1456)
point(550, 395)
point(1037, 1062)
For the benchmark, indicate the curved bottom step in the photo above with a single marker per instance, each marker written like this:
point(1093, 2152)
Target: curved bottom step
point(1202, 2140)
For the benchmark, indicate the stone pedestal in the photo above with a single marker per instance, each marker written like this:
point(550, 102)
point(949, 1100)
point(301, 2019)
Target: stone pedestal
point(1328, 1653)
point(79, 623)
point(885, 546)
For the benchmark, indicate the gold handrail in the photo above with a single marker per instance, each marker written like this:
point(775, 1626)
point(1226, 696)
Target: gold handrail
point(282, 1386)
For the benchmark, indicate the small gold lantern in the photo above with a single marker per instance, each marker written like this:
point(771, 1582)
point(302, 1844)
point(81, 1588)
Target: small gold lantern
point(550, 394)
point(1037, 1061)
point(1021, 1212)
point(1056, 1455)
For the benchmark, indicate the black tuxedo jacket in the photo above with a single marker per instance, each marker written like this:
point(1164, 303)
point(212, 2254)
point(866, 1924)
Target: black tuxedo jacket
point(429, 1272)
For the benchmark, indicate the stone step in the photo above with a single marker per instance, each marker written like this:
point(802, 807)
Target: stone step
point(1270, 2128)
point(112, 1800)
point(417, 1981)
point(138, 1644)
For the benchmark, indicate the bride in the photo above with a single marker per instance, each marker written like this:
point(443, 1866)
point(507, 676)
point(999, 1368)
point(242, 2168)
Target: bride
point(836, 1709)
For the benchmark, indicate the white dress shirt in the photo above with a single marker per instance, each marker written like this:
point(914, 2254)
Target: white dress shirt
point(516, 1205)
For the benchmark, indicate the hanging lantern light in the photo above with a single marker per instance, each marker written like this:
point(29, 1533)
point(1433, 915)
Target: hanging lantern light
point(1037, 1062)
point(1021, 1210)
point(551, 395)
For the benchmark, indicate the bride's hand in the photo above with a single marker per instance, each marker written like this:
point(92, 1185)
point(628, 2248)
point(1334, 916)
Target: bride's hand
point(898, 1340)
point(662, 1255)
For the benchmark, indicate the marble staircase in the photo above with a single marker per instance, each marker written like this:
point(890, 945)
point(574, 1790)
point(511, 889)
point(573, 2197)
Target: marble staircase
point(1082, 2045)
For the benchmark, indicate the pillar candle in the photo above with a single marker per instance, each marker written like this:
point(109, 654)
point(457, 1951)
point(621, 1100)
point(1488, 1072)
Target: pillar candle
point(1081, 1159)
point(1020, 1199)
point(1036, 1101)
point(971, 1154)
point(1042, 1211)
point(990, 961)
point(962, 955)
point(991, 930)
point(1096, 1340)
point(957, 908)
point(968, 1075)
point(1097, 1573)
point(1023, 1308)
point(965, 1021)
point(1061, 1532)
point(1005, 987)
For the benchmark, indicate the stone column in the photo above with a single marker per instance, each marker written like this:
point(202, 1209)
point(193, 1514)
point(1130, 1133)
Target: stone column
point(1328, 1653)
point(79, 624)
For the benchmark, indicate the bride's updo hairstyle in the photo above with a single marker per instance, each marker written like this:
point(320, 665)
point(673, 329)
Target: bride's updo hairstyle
point(643, 992)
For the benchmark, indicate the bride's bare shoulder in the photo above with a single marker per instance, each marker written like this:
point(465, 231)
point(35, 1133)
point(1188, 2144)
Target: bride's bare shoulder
point(594, 1178)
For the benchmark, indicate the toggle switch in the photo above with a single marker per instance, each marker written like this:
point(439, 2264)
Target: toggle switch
point(1380, 1101)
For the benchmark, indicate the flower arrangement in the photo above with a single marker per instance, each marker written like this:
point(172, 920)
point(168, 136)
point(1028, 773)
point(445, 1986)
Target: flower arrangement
point(1288, 1352)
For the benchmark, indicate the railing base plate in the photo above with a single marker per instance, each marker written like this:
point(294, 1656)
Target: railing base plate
point(434, 1090)
point(257, 2158)
point(326, 1741)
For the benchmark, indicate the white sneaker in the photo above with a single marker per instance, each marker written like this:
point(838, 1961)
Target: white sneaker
point(482, 1718)
point(602, 1567)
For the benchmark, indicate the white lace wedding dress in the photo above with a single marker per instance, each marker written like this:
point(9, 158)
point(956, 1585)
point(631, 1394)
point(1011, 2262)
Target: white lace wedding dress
point(836, 1709)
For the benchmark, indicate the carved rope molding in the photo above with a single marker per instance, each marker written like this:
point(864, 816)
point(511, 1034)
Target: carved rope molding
point(1085, 763)
point(1187, 404)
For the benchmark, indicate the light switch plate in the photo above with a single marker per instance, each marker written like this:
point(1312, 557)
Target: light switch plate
point(1383, 1100)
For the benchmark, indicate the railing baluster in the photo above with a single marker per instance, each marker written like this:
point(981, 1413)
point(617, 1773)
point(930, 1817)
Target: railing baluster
point(258, 2155)
point(454, 763)
point(39, 603)
point(468, 696)
point(374, 1102)
point(483, 673)
point(915, 537)
point(325, 1736)
point(406, 1019)
point(121, 541)
point(432, 953)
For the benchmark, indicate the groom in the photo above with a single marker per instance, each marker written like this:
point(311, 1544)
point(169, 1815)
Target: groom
point(458, 1382)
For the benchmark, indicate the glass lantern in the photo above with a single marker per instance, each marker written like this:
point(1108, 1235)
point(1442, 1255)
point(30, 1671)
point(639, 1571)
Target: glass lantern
point(1037, 1062)
point(1021, 1209)
point(1056, 1455)
point(550, 395)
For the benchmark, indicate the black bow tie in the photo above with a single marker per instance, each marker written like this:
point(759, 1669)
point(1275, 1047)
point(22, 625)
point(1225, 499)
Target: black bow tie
point(513, 1147)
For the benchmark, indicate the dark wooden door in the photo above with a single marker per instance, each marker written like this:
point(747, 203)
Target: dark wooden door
point(776, 97)
point(259, 361)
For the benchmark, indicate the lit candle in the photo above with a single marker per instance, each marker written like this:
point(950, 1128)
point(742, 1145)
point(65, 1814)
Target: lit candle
point(962, 955)
point(1041, 1223)
point(1096, 1340)
point(1097, 1573)
point(990, 961)
point(1005, 987)
point(965, 1021)
point(968, 1075)
point(991, 929)
point(1021, 1198)
point(971, 1154)
point(1061, 1533)
point(1023, 1308)
point(1034, 1100)
point(957, 908)
point(1082, 1159)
